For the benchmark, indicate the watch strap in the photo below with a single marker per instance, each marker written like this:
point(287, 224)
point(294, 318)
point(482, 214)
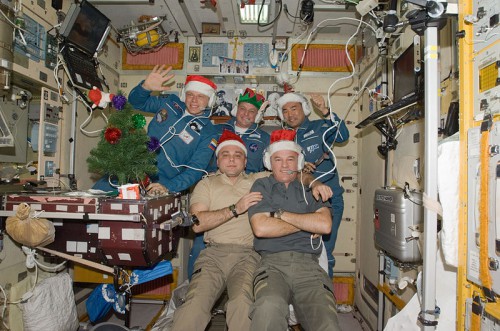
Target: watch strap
point(232, 208)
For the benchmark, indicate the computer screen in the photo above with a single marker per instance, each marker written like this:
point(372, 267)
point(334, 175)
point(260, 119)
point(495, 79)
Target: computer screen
point(405, 81)
point(85, 26)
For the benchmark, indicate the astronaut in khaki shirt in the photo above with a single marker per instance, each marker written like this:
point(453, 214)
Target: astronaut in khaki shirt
point(220, 203)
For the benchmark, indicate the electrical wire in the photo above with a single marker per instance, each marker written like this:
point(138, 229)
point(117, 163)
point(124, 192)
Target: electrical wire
point(336, 124)
point(14, 25)
point(2, 317)
point(275, 17)
point(173, 132)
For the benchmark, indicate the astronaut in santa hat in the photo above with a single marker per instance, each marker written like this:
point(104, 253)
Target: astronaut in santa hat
point(182, 125)
point(288, 223)
point(247, 114)
point(294, 110)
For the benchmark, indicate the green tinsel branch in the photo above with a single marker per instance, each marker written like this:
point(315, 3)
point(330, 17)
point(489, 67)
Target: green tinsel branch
point(128, 158)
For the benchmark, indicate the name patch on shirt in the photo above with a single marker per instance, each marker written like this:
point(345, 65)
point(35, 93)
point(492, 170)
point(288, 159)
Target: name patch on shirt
point(312, 148)
point(309, 133)
point(186, 137)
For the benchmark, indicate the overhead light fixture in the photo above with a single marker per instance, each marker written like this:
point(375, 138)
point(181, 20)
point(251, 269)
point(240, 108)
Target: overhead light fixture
point(249, 12)
point(145, 37)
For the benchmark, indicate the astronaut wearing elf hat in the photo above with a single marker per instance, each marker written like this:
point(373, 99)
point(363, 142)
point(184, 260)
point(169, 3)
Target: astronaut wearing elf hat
point(294, 109)
point(186, 136)
point(247, 115)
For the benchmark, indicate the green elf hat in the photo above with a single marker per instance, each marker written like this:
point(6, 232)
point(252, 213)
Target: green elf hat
point(251, 97)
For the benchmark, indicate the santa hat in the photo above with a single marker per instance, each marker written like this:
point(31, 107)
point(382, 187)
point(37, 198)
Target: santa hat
point(201, 85)
point(230, 138)
point(293, 97)
point(283, 140)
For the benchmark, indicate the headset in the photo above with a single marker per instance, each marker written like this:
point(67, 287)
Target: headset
point(306, 107)
point(260, 111)
point(269, 151)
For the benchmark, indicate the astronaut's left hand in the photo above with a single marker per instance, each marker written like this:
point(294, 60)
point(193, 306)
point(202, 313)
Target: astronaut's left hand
point(155, 189)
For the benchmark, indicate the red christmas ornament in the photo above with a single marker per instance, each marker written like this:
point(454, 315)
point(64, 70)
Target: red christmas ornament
point(145, 182)
point(112, 135)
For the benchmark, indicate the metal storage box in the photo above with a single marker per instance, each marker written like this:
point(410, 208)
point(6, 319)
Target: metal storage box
point(77, 238)
point(53, 203)
point(394, 218)
point(138, 243)
point(116, 232)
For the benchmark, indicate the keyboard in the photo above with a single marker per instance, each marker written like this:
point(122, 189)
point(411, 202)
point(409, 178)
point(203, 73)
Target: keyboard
point(82, 69)
point(390, 110)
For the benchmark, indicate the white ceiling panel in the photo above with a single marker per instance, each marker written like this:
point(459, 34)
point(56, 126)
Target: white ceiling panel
point(226, 13)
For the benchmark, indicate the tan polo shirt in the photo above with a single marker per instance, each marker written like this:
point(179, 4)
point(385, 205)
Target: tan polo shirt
point(219, 192)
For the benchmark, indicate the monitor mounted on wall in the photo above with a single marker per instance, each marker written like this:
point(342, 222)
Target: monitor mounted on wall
point(407, 72)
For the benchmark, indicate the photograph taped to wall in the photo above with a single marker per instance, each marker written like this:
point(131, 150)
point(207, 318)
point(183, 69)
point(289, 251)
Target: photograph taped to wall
point(210, 28)
point(230, 66)
point(224, 102)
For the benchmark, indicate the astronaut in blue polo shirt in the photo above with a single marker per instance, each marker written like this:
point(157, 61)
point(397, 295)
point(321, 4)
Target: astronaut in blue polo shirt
point(247, 114)
point(294, 109)
point(182, 126)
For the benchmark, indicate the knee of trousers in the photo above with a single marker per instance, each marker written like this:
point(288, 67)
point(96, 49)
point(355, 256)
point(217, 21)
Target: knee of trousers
point(240, 302)
point(270, 306)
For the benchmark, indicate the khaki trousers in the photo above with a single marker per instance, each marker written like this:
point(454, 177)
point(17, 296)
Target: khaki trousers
point(219, 267)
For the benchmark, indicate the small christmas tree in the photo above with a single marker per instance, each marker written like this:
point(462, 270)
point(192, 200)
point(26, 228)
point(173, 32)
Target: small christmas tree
point(125, 150)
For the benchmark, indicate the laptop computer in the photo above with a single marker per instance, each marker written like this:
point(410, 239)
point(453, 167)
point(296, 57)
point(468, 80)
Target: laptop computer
point(84, 32)
point(400, 105)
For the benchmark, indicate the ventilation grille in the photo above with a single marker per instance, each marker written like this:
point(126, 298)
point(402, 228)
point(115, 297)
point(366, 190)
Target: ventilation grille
point(171, 55)
point(324, 57)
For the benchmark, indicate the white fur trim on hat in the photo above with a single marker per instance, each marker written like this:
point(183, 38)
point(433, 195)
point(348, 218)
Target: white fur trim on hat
point(230, 143)
point(284, 145)
point(293, 97)
point(200, 87)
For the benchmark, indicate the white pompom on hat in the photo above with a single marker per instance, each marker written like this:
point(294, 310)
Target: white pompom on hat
point(293, 97)
point(201, 85)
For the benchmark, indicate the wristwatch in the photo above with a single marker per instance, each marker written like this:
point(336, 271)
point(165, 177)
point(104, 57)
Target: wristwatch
point(278, 213)
point(327, 114)
point(232, 208)
point(195, 219)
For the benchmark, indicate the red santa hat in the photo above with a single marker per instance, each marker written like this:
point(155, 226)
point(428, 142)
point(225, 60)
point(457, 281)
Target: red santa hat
point(283, 140)
point(201, 85)
point(230, 138)
point(293, 97)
